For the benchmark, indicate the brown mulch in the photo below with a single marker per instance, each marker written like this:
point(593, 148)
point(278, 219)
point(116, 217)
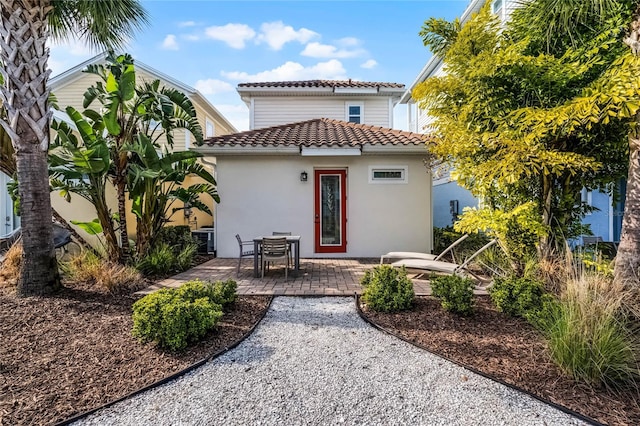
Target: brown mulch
point(508, 349)
point(66, 354)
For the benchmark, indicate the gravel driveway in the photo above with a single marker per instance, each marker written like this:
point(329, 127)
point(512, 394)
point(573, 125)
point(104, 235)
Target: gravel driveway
point(315, 361)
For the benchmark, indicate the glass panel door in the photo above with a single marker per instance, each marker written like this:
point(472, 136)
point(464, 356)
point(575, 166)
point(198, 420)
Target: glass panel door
point(330, 211)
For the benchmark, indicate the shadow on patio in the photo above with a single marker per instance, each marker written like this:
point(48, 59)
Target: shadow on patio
point(317, 277)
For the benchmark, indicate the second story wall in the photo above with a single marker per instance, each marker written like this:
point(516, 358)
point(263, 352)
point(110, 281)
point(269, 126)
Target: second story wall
point(274, 111)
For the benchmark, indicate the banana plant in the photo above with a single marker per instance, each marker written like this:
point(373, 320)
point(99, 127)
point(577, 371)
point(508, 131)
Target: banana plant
point(82, 165)
point(155, 182)
point(128, 111)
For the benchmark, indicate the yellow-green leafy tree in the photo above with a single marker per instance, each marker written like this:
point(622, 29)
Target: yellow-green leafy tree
point(493, 113)
point(614, 96)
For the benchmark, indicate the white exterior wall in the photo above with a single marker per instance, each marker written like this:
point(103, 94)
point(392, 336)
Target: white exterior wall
point(274, 111)
point(262, 194)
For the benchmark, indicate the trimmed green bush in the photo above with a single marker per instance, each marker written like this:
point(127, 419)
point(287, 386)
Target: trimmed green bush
point(171, 321)
point(521, 297)
point(454, 292)
point(220, 292)
point(174, 318)
point(387, 289)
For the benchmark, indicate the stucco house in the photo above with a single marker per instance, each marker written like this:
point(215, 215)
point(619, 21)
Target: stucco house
point(321, 161)
point(449, 199)
point(69, 88)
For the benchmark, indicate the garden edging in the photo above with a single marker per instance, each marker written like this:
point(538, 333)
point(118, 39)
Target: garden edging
point(475, 371)
point(172, 376)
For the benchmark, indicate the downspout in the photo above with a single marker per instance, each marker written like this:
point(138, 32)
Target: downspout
point(215, 210)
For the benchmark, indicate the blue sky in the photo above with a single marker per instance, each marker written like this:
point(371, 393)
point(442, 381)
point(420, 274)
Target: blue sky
point(214, 45)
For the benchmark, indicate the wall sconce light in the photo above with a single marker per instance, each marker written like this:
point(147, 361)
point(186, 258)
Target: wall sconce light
point(303, 177)
point(187, 210)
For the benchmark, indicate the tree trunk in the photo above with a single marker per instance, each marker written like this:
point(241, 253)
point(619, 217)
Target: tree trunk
point(627, 266)
point(544, 251)
point(25, 96)
point(121, 186)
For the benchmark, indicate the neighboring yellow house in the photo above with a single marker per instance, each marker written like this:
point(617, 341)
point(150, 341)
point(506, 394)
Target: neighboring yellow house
point(69, 88)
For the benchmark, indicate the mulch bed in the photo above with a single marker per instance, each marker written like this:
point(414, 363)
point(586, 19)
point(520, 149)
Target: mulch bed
point(66, 354)
point(508, 349)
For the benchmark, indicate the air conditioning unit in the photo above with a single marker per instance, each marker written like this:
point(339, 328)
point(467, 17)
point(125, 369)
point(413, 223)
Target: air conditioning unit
point(206, 240)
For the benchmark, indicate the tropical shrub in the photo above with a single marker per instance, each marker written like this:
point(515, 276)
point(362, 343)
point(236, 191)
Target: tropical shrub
point(589, 333)
point(178, 237)
point(454, 292)
point(164, 259)
point(222, 293)
point(172, 320)
point(520, 297)
point(11, 266)
point(90, 268)
point(387, 289)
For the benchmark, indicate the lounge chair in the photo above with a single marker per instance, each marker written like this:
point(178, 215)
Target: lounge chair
point(418, 255)
point(442, 266)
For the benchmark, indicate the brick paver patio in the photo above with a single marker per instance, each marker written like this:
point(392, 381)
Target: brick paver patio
point(317, 277)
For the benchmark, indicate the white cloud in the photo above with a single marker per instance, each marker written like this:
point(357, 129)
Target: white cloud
point(329, 70)
point(68, 54)
point(349, 42)
point(212, 86)
point(186, 24)
point(237, 114)
point(371, 63)
point(73, 47)
point(277, 34)
point(235, 35)
point(170, 42)
point(190, 37)
point(319, 50)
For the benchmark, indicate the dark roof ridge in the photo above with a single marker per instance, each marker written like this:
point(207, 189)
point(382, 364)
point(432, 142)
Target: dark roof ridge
point(323, 83)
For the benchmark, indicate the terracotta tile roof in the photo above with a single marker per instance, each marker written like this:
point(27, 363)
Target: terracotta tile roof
point(320, 132)
point(324, 83)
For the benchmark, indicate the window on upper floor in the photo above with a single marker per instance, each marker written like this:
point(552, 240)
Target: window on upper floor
point(497, 7)
point(355, 113)
point(209, 129)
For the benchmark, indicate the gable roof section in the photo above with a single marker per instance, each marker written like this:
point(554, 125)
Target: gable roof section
point(72, 74)
point(325, 83)
point(317, 133)
point(320, 88)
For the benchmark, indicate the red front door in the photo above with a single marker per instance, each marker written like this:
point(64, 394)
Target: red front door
point(330, 211)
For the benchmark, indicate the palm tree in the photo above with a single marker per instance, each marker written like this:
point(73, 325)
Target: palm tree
point(565, 17)
point(25, 29)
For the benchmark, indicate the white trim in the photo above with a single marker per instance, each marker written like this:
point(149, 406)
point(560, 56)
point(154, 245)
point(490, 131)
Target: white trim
point(610, 218)
point(252, 114)
point(349, 104)
point(356, 90)
point(390, 113)
point(187, 139)
point(394, 149)
point(329, 152)
point(442, 181)
point(586, 197)
point(404, 174)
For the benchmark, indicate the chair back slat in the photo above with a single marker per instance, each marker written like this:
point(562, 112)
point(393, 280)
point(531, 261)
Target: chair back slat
point(274, 245)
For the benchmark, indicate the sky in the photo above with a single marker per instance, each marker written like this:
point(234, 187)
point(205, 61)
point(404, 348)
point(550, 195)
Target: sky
point(214, 45)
